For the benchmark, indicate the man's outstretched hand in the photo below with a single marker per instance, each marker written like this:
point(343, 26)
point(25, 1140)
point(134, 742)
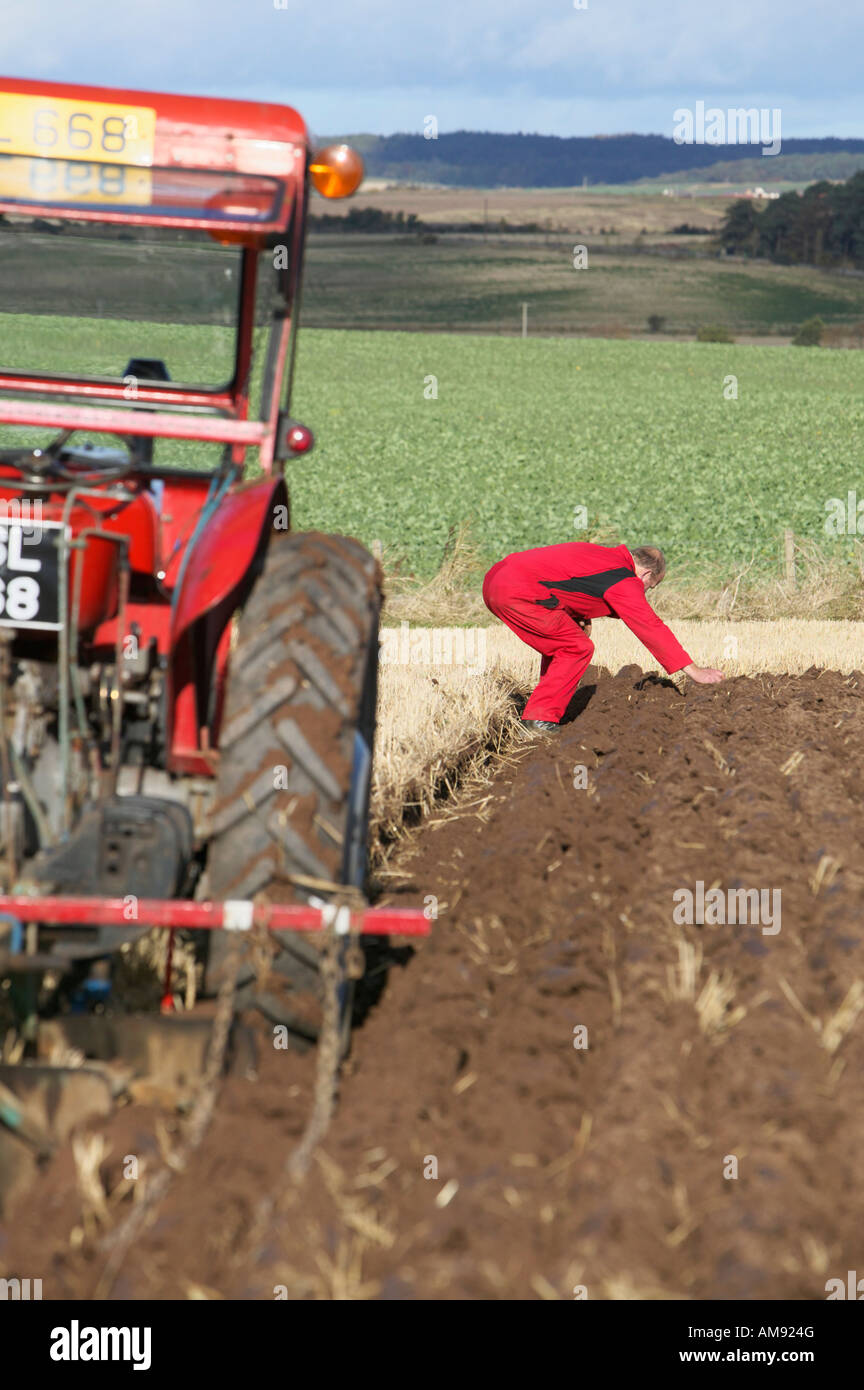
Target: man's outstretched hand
point(704, 675)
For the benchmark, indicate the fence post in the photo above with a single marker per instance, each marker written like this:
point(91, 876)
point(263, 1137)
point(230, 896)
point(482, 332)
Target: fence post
point(789, 555)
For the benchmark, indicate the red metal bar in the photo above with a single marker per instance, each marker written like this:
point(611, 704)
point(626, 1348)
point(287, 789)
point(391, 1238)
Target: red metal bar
point(154, 424)
point(185, 914)
point(166, 396)
point(167, 997)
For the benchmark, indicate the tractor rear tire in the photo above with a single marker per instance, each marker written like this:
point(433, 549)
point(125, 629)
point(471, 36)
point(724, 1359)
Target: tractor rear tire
point(295, 755)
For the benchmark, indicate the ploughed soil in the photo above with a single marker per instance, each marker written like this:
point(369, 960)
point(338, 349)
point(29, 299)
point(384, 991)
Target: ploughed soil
point(703, 1137)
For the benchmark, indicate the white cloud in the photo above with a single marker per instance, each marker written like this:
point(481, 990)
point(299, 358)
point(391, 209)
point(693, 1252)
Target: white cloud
point(522, 61)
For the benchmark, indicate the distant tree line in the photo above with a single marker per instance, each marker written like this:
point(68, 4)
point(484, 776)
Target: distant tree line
point(365, 220)
point(824, 226)
point(484, 159)
point(382, 220)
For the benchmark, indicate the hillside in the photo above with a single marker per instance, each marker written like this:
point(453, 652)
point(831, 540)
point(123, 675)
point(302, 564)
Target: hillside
point(784, 168)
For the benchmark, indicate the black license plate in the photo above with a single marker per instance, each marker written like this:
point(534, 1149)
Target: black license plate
point(29, 573)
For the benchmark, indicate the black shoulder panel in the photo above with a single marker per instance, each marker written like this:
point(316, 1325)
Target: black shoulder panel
point(593, 584)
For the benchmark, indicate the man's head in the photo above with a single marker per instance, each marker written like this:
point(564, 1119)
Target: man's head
point(650, 564)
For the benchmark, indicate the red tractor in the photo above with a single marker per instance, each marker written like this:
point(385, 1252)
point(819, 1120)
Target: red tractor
point(187, 687)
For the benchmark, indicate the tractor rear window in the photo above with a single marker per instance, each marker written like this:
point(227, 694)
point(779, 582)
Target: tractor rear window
point(85, 299)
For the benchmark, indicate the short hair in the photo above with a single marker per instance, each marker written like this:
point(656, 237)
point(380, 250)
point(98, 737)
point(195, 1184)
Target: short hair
point(652, 558)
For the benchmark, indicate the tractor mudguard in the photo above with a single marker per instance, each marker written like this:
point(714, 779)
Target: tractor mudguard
point(218, 569)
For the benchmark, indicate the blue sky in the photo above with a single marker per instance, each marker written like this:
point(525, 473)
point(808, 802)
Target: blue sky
point(508, 65)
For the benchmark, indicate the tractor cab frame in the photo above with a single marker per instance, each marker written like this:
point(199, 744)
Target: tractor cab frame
point(117, 627)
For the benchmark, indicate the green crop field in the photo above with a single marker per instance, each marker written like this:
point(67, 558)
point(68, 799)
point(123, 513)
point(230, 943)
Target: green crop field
point(524, 432)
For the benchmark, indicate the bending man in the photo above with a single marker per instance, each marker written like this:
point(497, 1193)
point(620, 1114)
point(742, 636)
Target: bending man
point(548, 597)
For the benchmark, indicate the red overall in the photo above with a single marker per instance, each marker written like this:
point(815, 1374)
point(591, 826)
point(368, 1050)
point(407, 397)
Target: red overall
point(537, 593)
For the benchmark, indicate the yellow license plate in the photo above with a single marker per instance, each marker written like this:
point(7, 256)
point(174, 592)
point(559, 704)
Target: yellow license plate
point(64, 181)
point(55, 127)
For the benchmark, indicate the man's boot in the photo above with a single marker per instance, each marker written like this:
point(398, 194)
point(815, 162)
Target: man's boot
point(531, 728)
